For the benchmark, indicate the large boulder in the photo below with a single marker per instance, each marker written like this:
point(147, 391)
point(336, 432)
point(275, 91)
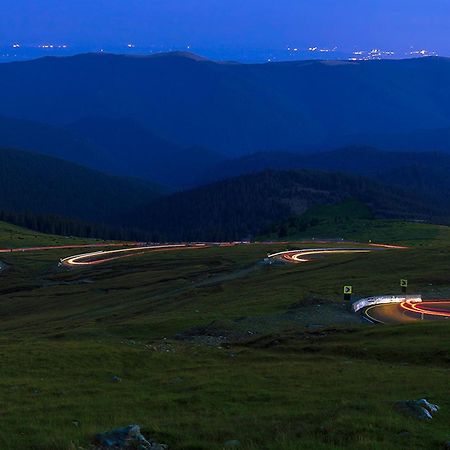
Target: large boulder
point(420, 409)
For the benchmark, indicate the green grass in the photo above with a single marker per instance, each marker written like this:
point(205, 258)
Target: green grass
point(380, 231)
point(65, 333)
point(353, 220)
point(197, 398)
point(12, 236)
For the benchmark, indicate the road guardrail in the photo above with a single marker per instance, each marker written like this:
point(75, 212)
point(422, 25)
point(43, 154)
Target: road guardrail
point(382, 299)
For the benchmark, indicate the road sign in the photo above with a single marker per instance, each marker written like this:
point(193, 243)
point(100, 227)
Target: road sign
point(404, 283)
point(348, 290)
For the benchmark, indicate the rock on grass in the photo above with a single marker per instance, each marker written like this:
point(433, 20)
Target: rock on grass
point(126, 438)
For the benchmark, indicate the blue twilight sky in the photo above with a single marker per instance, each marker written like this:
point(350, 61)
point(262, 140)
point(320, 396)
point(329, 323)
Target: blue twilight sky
point(229, 23)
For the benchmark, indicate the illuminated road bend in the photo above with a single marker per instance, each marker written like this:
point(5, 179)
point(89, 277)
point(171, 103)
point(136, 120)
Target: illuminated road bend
point(298, 256)
point(103, 256)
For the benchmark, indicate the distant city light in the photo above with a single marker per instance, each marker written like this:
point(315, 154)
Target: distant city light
point(423, 53)
point(375, 53)
point(51, 46)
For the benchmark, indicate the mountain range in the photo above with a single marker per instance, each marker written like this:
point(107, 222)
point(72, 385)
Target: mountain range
point(232, 108)
point(187, 148)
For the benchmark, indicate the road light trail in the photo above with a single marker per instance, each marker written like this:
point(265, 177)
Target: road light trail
point(408, 312)
point(429, 308)
point(298, 256)
point(103, 256)
point(63, 247)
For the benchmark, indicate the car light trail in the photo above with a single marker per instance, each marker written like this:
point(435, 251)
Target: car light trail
point(398, 247)
point(430, 308)
point(62, 247)
point(103, 256)
point(298, 256)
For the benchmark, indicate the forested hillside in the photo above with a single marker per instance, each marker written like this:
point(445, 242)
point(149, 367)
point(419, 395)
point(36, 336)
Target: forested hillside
point(244, 206)
point(43, 185)
point(63, 226)
point(425, 173)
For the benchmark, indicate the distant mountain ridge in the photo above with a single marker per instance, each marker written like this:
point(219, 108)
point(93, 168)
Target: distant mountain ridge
point(232, 108)
point(117, 146)
point(418, 141)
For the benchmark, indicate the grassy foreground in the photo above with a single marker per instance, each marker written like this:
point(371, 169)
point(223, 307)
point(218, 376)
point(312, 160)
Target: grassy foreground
point(58, 394)
point(292, 375)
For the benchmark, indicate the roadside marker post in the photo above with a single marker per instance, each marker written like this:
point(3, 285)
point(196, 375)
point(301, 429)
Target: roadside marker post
point(348, 291)
point(404, 285)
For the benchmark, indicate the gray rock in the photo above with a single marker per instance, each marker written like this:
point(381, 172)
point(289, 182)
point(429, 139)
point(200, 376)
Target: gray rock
point(420, 409)
point(129, 437)
point(430, 407)
point(116, 379)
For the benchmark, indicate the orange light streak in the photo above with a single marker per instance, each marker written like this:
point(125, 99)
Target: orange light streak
point(426, 308)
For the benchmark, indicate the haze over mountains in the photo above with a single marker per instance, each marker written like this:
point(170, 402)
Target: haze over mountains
point(119, 147)
point(181, 121)
point(234, 108)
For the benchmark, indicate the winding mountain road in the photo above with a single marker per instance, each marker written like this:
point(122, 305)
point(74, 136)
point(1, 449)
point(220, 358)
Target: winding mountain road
point(408, 311)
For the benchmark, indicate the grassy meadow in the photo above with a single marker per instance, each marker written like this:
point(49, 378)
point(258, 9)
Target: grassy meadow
point(212, 346)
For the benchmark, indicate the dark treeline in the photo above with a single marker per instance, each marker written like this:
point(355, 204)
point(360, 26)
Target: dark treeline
point(52, 224)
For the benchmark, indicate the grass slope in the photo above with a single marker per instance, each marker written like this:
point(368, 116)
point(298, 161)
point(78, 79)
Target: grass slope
point(353, 220)
point(12, 236)
point(297, 383)
point(198, 398)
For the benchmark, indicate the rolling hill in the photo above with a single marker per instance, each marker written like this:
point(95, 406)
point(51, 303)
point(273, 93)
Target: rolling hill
point(418, 140)
point(117, 146)
point(136, 151)
point(425, 173)
point(50, 140)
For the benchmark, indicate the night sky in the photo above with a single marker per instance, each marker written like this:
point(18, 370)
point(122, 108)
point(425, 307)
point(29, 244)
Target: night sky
point(229, 23)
